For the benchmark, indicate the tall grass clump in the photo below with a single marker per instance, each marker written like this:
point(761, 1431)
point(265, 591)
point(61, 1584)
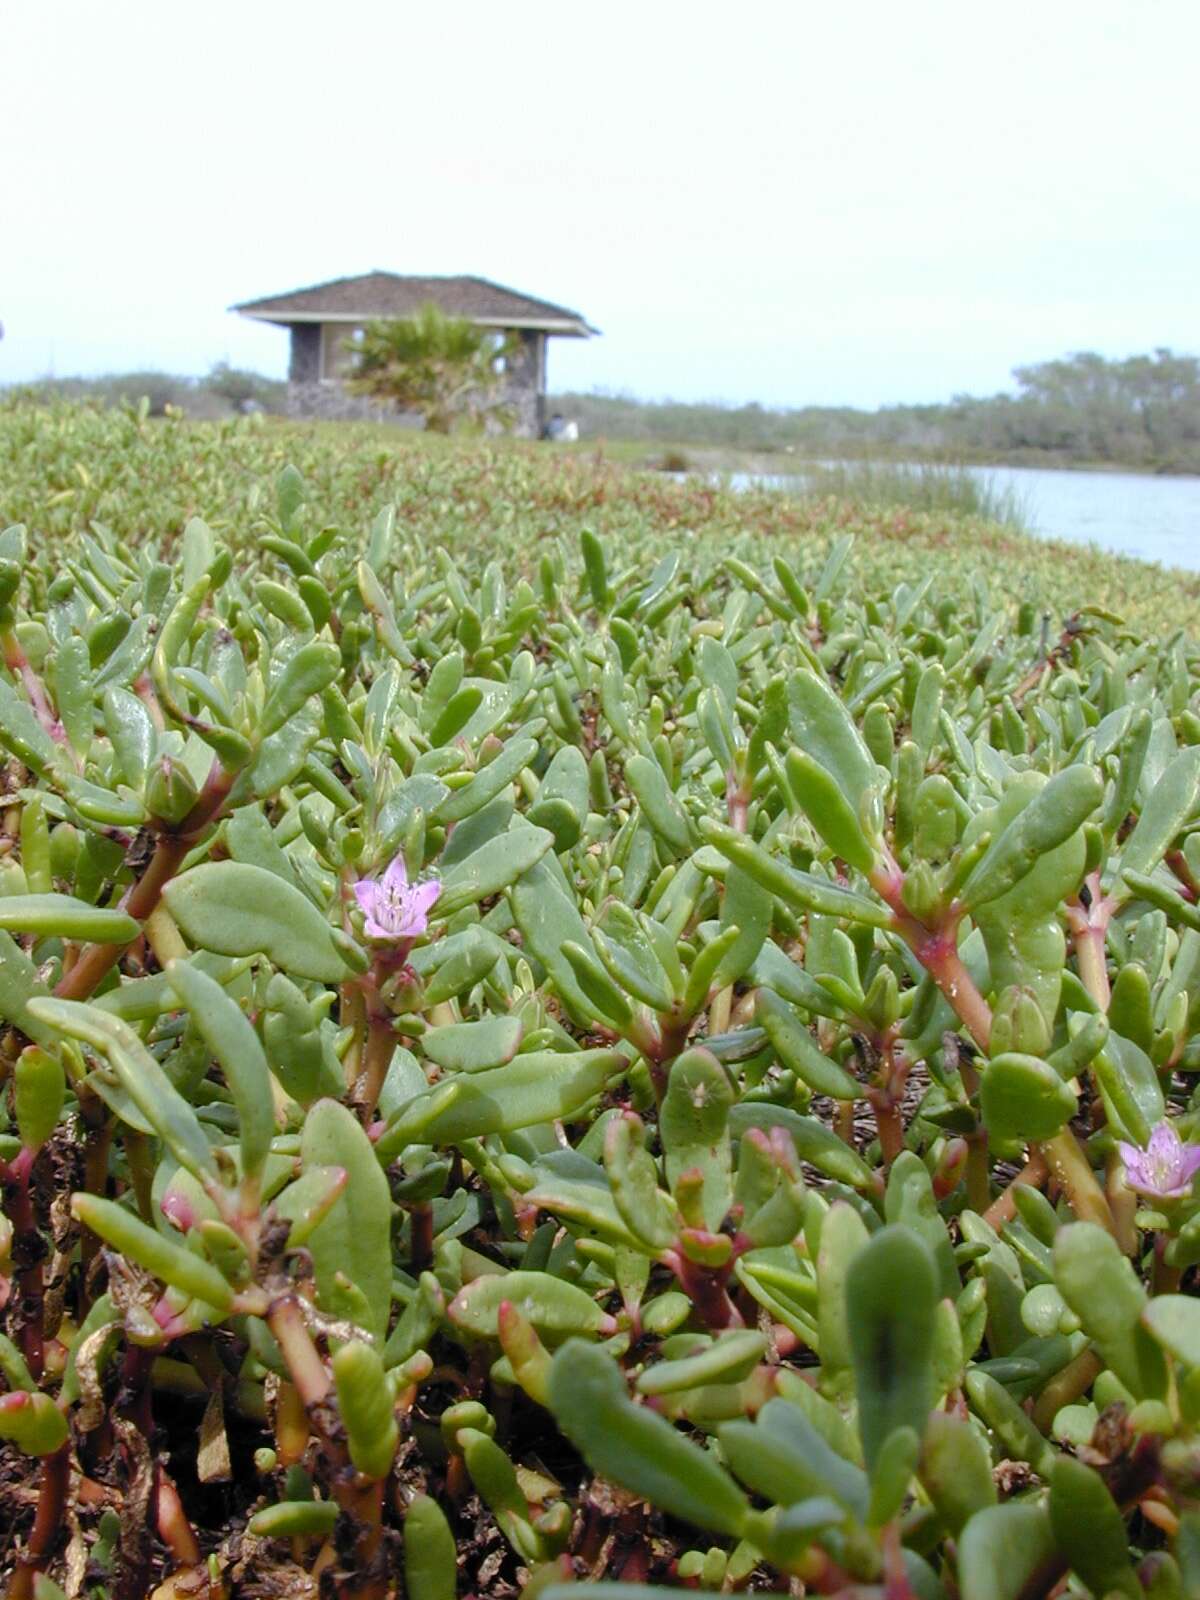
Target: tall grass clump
point(922, 486)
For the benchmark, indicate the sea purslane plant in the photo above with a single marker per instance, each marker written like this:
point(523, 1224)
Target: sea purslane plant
point(602, 1066)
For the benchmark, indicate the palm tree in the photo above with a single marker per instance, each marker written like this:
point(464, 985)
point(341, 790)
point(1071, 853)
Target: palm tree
point(446, 368)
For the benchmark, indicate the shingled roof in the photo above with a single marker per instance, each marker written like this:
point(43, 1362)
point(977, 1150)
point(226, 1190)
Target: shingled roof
point(387, 294)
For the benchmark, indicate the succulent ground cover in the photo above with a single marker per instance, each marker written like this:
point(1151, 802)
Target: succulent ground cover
point(560, 1029)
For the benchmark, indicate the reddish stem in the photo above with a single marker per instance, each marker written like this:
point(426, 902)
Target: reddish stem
point(1089, 933)
point(705, 1287)
point(29, 1251)
point(143, 896)
point(47, 1523)
point(1004, 1207)
point(937, 951)
point(17, 662)
point(421, 1216)
point(303, 1359)
point(889, 1124)
point(886, 1096)
point(174, 1529)
point(939, 956)
point(360, 1499)
point(737, 801)
point(376, 1058)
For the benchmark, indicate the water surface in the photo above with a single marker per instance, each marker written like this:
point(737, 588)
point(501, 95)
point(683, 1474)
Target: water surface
point(1129, 513)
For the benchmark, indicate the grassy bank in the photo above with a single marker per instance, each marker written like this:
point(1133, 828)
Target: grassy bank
point(63, 468)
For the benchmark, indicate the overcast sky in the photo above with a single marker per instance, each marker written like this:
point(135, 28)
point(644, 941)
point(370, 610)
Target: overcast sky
point(791, 202)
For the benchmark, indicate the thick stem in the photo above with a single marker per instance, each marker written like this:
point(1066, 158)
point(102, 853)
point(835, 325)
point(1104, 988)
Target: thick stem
point(142, 897)
point(1065, 1387)
point(352, 1014)
point(706, 1289)
point(978, 1178)
point(1166, 1278)
point(886, 1096)
point(669, 1040)
point(309, 1374)
point(942, 961)
point(1088, 919)
point(1004, 1207)
point(361, 1499)
point(376, 1058)
point(17, 662)
point(1123, 1204)
point(1070, 1170)
point(937, 951)
point(1093, 968)
point(29, 1252)
point(421, 1220)
point(47, 1523)
point(174, 1529)
point(364, 1503)
point(889, 1124)
point(291, 1425)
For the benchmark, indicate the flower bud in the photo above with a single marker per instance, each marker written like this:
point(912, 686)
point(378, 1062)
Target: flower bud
point(920, 893)
point(1018, 1024)
point(32, 1422)
point(171, 791)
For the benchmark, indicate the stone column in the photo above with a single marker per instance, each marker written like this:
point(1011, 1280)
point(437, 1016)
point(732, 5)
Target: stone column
point(524, 388)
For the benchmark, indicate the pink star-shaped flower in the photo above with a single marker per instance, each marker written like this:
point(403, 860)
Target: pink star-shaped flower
point(1165, 1169)
point(393, 908)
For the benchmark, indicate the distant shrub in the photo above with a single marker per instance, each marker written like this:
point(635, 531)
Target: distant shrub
point(245, 390)
point(225, 391)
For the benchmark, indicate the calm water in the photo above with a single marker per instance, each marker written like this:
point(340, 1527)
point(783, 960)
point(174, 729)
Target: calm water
point(1157, 519)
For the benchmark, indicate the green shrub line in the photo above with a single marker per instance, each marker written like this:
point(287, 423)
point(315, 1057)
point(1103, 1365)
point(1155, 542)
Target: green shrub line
point(564, 1028)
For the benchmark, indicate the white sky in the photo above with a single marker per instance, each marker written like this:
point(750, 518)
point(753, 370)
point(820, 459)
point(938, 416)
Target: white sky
point(809, 202)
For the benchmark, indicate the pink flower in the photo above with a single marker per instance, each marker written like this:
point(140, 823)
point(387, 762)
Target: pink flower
point(395, 909)
point(1165, 1170)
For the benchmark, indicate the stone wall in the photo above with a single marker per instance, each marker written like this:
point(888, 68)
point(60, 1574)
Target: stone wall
point(334, 403)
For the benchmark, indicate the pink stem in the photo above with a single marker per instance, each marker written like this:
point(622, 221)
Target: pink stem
point(16, 661)
point(937, 951)
point(142, 897)
point(1089, 932)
